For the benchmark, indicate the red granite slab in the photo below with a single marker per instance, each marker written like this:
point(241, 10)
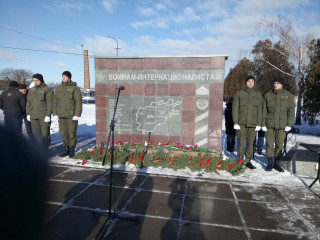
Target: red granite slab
point(162, 89)
point(188, 90)
point(138, 89)
point(101, 113)
point(188, 140)
point(189, 103)
point(101, 101)
point(101, 89)
point(101, 126)
point(187, 129)
point(150, 63)
point(188, 116)
point(105, 63)
point(175, 89)
point(218, 63)
point(111, 87)
point(130, 63)
point(150, 89)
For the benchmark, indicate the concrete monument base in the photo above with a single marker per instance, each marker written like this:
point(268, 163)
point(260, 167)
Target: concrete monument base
point(300, 161)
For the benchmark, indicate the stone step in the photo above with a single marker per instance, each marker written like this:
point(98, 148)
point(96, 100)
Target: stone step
point(301, 161)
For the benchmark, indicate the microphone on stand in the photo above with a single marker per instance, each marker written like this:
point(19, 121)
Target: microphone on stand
point(120, 88)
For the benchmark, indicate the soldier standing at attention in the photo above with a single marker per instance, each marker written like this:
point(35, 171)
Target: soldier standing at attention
point(39, 110)
point(67, 105)
point(278, 117)
point(247, 117)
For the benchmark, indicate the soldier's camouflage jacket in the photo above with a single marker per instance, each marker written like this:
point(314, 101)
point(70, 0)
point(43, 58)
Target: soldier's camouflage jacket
point(247, 107)
point(279, 109)
point(67, 100)
point(39, 102)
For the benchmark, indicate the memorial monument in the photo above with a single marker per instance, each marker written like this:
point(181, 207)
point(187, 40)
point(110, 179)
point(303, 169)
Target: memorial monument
point(172, 99)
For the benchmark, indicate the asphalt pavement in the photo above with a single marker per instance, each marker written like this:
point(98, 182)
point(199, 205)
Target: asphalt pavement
point(169, 207)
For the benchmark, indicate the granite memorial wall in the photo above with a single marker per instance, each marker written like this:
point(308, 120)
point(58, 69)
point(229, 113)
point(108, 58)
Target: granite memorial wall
point(172, 99)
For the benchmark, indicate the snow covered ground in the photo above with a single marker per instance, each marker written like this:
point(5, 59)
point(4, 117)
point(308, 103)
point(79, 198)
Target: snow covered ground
point(86, 136)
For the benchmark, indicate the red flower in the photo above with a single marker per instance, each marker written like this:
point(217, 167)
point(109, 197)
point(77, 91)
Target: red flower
point(102, 152)
point(201, 162)
point(208, 162)
point(141, 158)
point(218, 166)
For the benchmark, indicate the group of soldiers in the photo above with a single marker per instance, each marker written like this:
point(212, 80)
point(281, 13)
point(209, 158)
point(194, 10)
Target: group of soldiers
point(251, 112)
point(37, 106)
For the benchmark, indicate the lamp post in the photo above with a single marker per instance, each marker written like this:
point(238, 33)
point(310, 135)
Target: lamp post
point(117, 48)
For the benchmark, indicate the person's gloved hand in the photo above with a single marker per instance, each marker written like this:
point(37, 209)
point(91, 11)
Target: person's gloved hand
point(47, 119)
point(236, 127)
point(75, 118)
point(287, 129)
point(258, 128)
point(264, 128)
point(28, 118)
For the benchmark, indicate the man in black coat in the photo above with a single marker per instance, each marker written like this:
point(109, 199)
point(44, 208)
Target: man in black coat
point(23, 89)
point(230, 131)
point(13, 104)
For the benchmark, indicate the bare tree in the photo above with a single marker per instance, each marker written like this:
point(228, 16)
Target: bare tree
point(19, 75)
point(296, 50)
point(53, 85)
point(268, 63)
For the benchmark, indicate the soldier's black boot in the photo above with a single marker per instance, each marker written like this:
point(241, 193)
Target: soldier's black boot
point(269, 166)
point(71, 151)
point(249, 164)
point(277, 165)
point(66, 152)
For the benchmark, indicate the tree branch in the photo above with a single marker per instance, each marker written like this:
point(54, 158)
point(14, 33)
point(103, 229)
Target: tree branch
point(276, 67)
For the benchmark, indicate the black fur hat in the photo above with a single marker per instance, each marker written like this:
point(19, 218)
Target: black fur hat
point(250, 77)
point(67, 73)
point(279, 80)
point(23, 86)
point(38, 76)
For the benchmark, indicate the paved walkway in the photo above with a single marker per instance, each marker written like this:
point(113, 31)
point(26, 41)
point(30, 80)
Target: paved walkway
point(171, 208)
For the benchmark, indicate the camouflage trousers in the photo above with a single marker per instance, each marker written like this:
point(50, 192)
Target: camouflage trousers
point(247, 135)
point(68, 130)
point(275, 137)
point(41, 132)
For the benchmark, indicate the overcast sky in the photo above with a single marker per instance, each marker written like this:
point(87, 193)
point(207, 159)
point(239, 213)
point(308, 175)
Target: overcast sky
point(141, 27)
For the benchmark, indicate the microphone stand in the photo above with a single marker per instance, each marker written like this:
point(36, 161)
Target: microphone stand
point(110, 214)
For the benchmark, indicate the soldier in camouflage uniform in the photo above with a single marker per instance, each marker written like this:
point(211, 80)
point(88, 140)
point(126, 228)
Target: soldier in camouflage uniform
point(247, 117)
point(67, 105)
point(278, 117)
point(39, 110)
